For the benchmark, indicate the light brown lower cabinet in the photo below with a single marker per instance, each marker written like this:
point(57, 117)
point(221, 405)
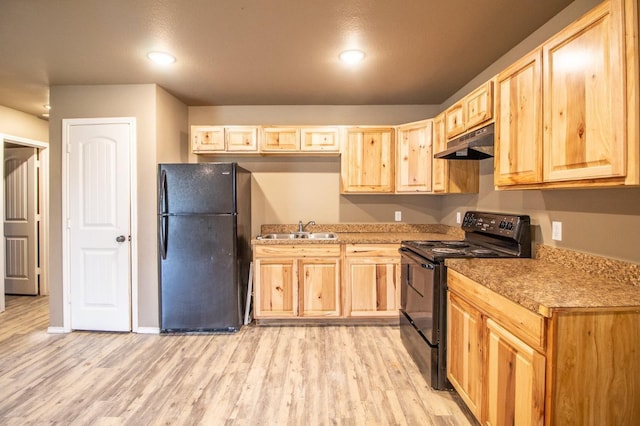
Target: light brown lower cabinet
point(512, 366)
point(296, 281)
point(372, 280)
point(326, 281)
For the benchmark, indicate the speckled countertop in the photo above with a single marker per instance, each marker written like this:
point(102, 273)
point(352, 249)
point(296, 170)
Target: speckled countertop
point(369, 233)
point(557, 279)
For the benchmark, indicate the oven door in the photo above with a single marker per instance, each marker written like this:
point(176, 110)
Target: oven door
point(420, 294)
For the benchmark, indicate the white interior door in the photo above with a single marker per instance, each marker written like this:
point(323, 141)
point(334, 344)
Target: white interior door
point(20, 221)
point(99, 226)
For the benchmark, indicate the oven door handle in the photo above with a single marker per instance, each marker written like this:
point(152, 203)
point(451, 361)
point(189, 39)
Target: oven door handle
point(416, 259)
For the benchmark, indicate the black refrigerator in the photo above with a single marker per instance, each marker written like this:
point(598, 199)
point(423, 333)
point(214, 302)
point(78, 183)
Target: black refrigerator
point(204, 233)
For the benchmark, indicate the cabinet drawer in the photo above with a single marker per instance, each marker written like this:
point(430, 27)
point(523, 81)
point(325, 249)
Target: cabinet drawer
point(370, 250)
point(301, 250)
point(523, 323)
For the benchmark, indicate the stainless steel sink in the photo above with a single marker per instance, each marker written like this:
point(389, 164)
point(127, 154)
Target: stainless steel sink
point(300, 236)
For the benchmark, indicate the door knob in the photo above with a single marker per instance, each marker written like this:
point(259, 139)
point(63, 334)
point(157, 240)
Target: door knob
point(121, 238)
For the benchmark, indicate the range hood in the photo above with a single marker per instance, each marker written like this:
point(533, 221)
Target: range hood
point(475, 145)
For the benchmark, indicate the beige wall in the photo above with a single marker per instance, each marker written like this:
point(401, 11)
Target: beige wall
point(289, 189)
point(604, 221)
point(148, 105)
point(16, 123)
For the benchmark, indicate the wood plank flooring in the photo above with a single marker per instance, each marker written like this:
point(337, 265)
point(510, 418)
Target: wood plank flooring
point(262, 375)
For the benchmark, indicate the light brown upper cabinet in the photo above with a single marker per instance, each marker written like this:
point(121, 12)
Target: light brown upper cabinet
point(584, 98)
point(567, 113)
point(474, 109)
point(451, 176)
point(414, 157)
point(518, 139)
point(280, 139)
point(320, 139)
point(206, 139)
point(241, 138)
point(368, 160)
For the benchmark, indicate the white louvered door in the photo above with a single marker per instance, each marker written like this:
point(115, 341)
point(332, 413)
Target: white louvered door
point(20, 221)
point(98, 226)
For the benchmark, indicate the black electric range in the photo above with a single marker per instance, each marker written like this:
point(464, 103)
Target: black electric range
point(424, 282)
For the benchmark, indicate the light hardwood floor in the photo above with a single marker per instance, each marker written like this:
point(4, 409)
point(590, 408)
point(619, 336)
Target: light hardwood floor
point(260, 376)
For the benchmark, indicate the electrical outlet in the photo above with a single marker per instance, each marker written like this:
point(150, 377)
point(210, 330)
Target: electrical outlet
point(398, 216)
point(458, 217)
point(556, 231)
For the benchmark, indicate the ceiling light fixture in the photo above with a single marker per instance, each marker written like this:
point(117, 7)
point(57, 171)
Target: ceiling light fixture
point(47, 107)
point(352, 56)
point(161, 58)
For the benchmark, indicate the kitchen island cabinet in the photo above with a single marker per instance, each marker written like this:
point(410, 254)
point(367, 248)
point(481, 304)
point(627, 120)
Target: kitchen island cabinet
point(555, 347)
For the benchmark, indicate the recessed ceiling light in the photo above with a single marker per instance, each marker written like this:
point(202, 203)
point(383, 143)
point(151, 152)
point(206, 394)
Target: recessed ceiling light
point(161, 58)
point(47, 107)
point(45, 115)
point(352, 56)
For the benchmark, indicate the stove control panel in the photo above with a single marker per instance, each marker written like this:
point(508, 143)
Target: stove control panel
point(495, 223)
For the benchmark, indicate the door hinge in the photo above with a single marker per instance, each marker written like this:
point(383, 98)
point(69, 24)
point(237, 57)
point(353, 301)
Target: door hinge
point(68, 148)
point(68, 223)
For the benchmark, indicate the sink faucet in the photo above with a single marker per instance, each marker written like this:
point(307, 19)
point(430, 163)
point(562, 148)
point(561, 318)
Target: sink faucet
point(301, 227)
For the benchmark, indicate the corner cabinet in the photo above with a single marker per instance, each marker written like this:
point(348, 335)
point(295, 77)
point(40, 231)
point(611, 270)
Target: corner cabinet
point(372, 280)
point(296, 281)
point(368, 160)
point(414, 157)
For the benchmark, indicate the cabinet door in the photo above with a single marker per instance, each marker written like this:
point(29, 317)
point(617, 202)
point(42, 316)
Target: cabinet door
point(207, 139)
point(515, 380)
point(414, 156)
point(584, 98)
point(455, 119)
point(242, 139)
point(367, 161)
point(280, 139)
point(479, 105)
point(320, 139)
point(275, 288)
point(518, 142)
point(464, 352)
point(319, 287)
point(440, 167)
point(373, 287)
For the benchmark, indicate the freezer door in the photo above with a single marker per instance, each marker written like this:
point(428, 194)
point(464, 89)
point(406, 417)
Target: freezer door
point(199, 282)
point(196, 188)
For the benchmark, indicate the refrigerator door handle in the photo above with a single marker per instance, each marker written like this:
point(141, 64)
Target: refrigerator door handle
point(164, 221)
point(162, 210)
point(162, 196)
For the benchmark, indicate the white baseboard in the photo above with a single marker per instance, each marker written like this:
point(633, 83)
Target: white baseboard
point(56, 330)
point(147, 330)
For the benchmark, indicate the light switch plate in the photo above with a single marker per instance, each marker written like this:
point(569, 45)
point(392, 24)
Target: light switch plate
point(556, 231)
point(458, 217)
point(398, 216)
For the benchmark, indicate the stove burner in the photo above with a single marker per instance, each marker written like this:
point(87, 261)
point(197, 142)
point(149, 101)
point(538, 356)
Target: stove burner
point(481, 251)
point(447, 250)
point(454, 243)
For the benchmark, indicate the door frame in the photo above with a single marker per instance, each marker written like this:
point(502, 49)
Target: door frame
point(67, 123)
point(43, 159)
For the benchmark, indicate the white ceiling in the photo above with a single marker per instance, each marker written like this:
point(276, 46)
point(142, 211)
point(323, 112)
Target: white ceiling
point(260, 52)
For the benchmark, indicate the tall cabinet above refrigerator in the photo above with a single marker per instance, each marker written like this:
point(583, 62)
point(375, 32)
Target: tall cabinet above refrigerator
point(204, 233)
